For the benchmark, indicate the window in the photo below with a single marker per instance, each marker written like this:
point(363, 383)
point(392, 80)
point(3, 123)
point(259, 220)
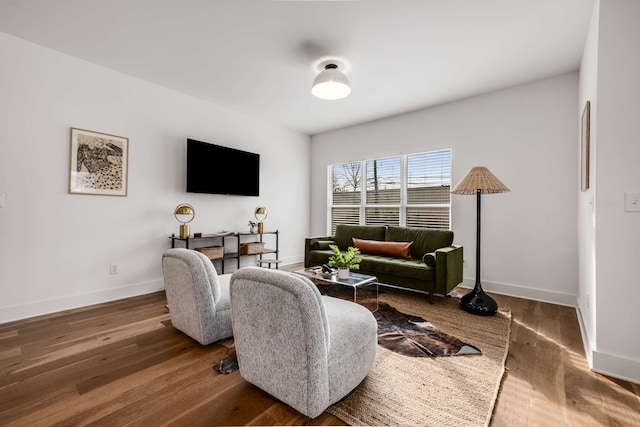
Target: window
point(411, 190)
point(384, 191)
point(346, 194)
point(429, 189)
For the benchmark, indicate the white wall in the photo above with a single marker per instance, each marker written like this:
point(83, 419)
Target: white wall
point(586, 199)
point(55, 247)
point(526, 136)
point(617, 232)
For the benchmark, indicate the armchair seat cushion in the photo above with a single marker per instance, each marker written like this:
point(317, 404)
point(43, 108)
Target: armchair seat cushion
point(224, 303)
point(353, 340)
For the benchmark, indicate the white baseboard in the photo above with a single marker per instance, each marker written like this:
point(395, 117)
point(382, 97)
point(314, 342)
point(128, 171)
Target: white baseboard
point(292, 260)
point(586, 339)
point(38, 308)
point(524, 292)
point(616, 366)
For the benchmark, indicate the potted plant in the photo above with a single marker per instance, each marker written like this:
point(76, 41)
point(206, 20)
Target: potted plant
point(253, 226)
point(345, 262)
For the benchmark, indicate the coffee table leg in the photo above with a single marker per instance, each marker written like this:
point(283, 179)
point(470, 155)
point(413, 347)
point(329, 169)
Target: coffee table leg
point(368, 285)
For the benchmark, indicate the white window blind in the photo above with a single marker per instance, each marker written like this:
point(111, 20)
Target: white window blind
point(429, 189)
point(346, 194)
point(411, 190)
point(383, 181)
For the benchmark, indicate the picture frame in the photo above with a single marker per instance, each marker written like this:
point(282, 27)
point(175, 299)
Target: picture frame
point(585, 149)
point(99, 163)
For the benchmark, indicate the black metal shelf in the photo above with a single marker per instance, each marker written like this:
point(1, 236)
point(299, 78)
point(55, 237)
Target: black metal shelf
point(237, 255)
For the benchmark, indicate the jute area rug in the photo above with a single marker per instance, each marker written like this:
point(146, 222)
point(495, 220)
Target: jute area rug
point(439, 391)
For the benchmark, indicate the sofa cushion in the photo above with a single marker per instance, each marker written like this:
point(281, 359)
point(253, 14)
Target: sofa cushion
point(319, 257)
point(385, 266)
point(376, 247)
point(322, 244)
point(344, 234)
point(424, 239)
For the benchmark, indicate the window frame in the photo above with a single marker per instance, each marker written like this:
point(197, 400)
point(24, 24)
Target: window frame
point(402, 206)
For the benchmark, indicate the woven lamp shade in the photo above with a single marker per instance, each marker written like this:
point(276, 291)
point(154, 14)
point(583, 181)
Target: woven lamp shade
point(479, 178)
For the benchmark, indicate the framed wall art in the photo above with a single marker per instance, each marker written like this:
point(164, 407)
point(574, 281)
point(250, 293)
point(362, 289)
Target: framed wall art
point(585, 147)
point(99, 163)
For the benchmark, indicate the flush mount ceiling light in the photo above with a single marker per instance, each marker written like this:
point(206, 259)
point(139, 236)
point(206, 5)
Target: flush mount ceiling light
point(331, 83)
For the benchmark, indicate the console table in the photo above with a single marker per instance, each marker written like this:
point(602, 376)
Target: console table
point(240, 239)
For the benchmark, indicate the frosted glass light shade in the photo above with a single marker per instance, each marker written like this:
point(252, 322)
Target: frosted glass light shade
point(331, 84)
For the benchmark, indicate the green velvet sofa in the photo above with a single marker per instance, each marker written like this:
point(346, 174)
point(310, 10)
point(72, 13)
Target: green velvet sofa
point(435, 265)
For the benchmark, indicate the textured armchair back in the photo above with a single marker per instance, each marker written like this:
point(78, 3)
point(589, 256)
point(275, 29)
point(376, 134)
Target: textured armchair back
point(192, 289)
point(281, 331)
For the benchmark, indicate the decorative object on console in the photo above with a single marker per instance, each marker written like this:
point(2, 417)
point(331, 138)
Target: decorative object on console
point(345, 262)
point(252, 248)
point(253, 226)
point(99, 163)
point(479, 181)
point(212, 252)
point(261, 214)
point(330, 83)
point(184, 213)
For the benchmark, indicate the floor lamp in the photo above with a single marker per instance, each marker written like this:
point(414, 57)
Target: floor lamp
point(479, 181)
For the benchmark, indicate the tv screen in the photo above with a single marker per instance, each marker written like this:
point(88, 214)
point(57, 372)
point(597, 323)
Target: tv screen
point(215, 169)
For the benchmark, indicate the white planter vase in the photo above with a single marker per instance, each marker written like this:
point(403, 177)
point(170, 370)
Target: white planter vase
point(343, 273)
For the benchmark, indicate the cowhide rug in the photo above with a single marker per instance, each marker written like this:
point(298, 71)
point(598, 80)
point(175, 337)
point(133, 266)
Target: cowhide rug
point(400, 332)
point(397, 331)
point(413, 336)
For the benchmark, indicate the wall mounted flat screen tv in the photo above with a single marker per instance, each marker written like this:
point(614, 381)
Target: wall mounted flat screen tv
point(215, 169)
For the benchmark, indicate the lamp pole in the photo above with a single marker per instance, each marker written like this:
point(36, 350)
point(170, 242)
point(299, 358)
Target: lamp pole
point(478, 198)
point(477, 301)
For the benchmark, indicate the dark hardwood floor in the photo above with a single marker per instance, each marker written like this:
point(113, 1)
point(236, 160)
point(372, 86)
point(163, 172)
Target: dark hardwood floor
point(122, 363)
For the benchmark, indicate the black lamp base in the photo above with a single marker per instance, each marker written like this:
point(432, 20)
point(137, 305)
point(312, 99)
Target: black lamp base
point(478, 302)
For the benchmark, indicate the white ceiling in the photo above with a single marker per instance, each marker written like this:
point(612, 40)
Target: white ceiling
point(259, 56)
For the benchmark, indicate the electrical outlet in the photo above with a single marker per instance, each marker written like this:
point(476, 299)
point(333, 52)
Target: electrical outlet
point(113, 269)
point(1, 200)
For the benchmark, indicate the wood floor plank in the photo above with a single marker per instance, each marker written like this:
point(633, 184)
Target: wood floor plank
point(122, 363)
point(512, 408)
point(620, 401)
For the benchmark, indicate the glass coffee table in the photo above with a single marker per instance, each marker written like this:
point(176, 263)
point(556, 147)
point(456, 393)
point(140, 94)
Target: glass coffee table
point(359, 288)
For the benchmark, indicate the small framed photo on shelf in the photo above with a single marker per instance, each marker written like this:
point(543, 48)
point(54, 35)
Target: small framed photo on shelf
point(99, 163)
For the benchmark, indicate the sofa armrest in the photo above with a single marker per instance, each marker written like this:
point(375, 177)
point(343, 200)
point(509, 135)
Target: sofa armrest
point(429, 259)
point(448, 268)
point(312, 243)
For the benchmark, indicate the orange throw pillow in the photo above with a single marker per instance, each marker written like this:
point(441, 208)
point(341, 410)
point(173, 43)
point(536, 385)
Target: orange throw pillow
point(377, 247)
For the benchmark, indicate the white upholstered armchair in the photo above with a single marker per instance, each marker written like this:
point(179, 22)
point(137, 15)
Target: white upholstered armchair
point(305, 349)
point(198, 298)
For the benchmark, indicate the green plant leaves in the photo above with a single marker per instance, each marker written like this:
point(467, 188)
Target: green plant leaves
point(349, 259)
